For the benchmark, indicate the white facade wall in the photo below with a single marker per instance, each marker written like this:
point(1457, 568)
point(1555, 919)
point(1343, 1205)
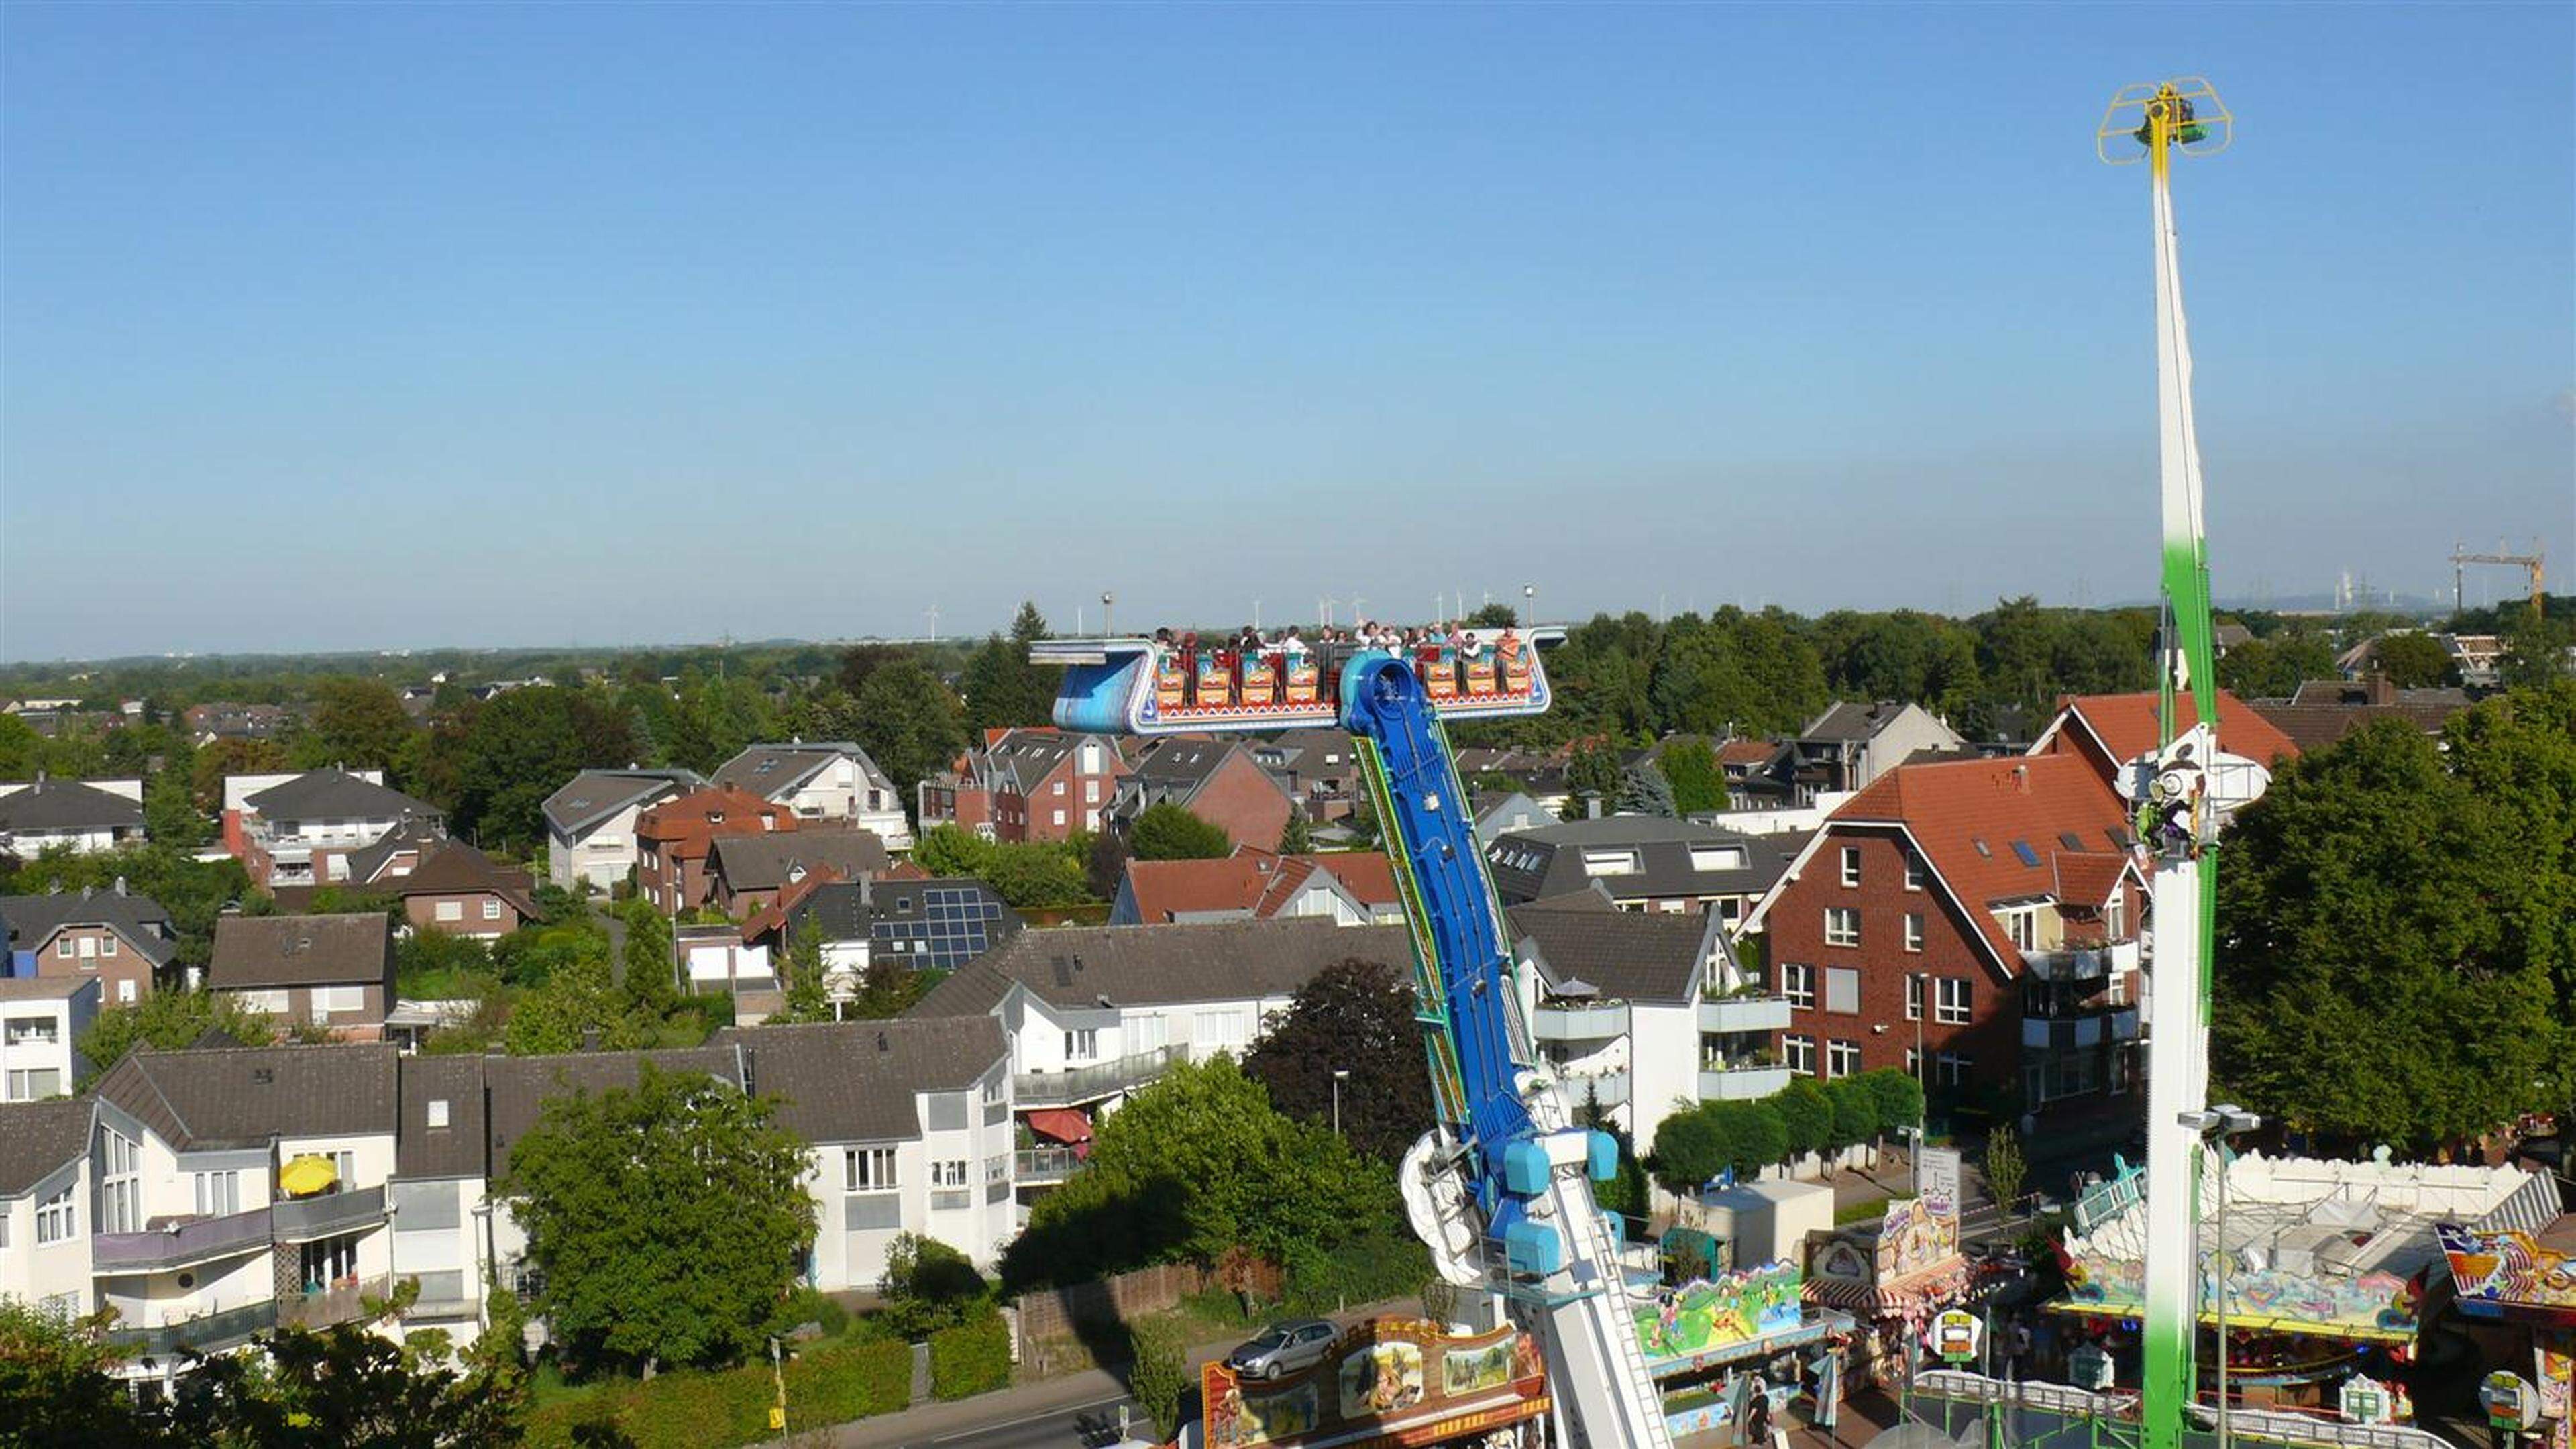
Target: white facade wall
point(56, 1273)
point(438, 1238)
point(37, 1037)
point(1664, 1065)
point(976, 1216)
point(843, 790)
point(600, 856)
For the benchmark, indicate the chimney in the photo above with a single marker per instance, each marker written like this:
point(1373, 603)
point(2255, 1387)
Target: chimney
point(2377, 689)
point(1591, 807)
point(120, 885)
point(2021, 777)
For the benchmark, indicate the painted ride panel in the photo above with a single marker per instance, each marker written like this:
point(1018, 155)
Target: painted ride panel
point(1147, 687)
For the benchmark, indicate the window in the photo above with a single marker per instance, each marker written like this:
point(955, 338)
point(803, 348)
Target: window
point(1842, 926)
point(33, 1031)
point(2023, 852)
point(437, 1111)
point(1149, 1033)
point(997, 1168)
point(35, 1084)
point(2023, 927)
point(1913, 998)
point(125, 992)
point(107, 945)
point(1717, 857)
point(1059, 787)
point(1979, 842)
point(1798, 983)
point(1949, 1069)
point(491, 908)
point(1842, 1058)
point(120, 1191)
point(867, 1169)
point(451, 910)
point(218, 1193)
point(1213, 1030)
point(328, 999)
point(2115, 916)
point(948, 1172)
point(1091, 792)
point(1842, 989)
point(64, 947)
point(1083, 1045)
point(1851, 865)
point(1913, 871)
point(1059, 817)
point(1609, 862)
point(57, 1218)
point(1914, 930)
point(1951, 1001)
point(1800, 1053)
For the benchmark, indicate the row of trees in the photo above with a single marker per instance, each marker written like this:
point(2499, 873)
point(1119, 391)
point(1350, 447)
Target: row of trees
point(1694, 1146)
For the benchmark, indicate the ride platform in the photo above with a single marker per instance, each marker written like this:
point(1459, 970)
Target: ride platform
point(1142, 686)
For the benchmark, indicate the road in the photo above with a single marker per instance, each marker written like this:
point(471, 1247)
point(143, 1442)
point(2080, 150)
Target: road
point(1087, 1425)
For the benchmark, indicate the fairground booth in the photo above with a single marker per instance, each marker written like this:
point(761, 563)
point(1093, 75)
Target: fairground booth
point(1390, 1381)
point(1891, 1275)
point(2322, 1267)
point(2513, 1298)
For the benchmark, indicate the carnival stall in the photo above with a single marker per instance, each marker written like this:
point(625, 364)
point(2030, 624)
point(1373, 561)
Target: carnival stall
point(1891, 1276)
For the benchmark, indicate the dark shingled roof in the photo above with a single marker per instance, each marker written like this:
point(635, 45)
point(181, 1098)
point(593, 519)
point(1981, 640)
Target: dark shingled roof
point(244, 1096)
point(856, 1081)
point(1145, 965)
point(764, 862)
point(37, 1138)
point(455, 868)
point(772, 769)
point(334, 795)
point(258, 951)
point(1547, 860)
point(594, 795)
point(521, 1086)
point(1622, 955)
point(417, 836)
point(455, 1150)
point(139, 921)
point(68, 805)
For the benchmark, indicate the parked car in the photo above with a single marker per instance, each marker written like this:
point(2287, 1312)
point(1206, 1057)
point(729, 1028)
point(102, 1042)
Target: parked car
point(1283, 1348)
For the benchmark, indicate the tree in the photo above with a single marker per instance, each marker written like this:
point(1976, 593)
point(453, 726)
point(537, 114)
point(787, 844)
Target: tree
point(668, 1218)
point(1002, 687)
point(1898, 1096)
point(807, 997)
point(1158, 1373)
point(1690, 1149)
point(2005, 1169)
point(519, 748)
point(1167, 831)
point(56, 1377)
point(1354, 1016)
point(1593, 772)
point(1643, 790)
point(170, 1021)
point(909, 722)
point(2389, 898)
point(1690, 767)
point(2413, 660)
point(1855, 1109)
point(356, 722)
point(1296, 838)
point(1753, 1132)
point(2536, 648)
point(1105, 864)
point(348, 1386)
point(1806, 1114)
point(577, 998)
point(929, 1286)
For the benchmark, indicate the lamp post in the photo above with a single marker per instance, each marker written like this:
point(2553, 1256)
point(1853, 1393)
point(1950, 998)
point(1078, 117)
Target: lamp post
point(2218, 1124)
point(1107, 598)
point(1922, 1079)
point(1340, 1075)
point(1529, 605)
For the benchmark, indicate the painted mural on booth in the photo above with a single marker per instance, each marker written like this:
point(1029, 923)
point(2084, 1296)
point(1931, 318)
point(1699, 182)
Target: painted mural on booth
point(1706, 1314)
point(1402, 1377)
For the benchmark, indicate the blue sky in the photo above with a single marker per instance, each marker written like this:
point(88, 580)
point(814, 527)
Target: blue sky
point(359, 326)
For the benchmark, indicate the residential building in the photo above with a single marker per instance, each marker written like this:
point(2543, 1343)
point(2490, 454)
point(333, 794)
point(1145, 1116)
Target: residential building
point(1215, 779)
point(1853, 743)
point(822, 781)
point(45, 1204)
point(1504, 811)
point(1094, 1012)
point(445, 1223)
point(2109, 732)
point(1758, 772)
point(208, 723)
point(396, 853)
point(300, 830)
point(1027, 784)
point(456, 889)
point(2323, 711)
point(1636, 1012)
point(41, 1021)
point(75, 815)
point(673, 838)
point(330, 971)
point(1320, 770)
point(1351, 888)
point(931, 923)
point(1643, 862)
point(198, 1242)
point(2478, 659)
point(1539, 774)
point(746, 872)
point(590, 823)
point(120, 939)
point(1982, 913)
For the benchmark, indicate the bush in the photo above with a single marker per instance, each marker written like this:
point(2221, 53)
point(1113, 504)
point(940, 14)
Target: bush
point(810, 1305)
point(838, 1384)
point(973, 1358)
point(1374, 1265)
point(1689, 1149)
point(1855, 1112)
point(1158, 1373)
point(1754, 1132)
point(688, 1410)
point(1899, 1098)
point(929, 1286)
point(1807, 1114)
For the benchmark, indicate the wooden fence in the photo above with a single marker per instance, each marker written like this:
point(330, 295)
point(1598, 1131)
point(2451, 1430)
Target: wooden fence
point(1105, 1302)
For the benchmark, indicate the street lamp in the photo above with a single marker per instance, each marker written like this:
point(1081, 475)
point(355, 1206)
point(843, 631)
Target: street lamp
point(1529, 605)
point(1922, 1082)
point(2217, 1124)
point(1107, 598)
point(1340, 1075)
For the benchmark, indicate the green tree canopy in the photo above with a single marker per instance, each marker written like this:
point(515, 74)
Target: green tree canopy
point(1643, 790)
point(1806, 1114)
point(1167, 831)
point(1898, 1096)
point(356, 722)
point(1357, 1017)
point(520, 747)
point(1690, 1149)
point(1690, 768)
point(1855, 1109)
point(668, 1219)
point(169, 1020)
point(909, 722)
point(2413, 660)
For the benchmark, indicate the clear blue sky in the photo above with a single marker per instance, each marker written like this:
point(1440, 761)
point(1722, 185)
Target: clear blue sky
point(364, 326)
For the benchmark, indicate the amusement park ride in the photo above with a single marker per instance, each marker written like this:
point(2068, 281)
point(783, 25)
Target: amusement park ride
point(1501, 1186)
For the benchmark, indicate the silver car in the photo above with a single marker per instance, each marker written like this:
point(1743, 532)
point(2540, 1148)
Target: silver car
point(1283, 1348)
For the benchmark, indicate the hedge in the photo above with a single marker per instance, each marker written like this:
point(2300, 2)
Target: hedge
point(1373, 1266)
point(970, 1359)
point(687, 1410)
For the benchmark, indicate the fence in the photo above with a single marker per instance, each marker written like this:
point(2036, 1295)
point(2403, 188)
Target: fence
point(1058, 1312)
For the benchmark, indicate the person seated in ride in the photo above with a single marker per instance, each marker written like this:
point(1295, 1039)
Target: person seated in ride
point(1163, 637)
point(1291, 645)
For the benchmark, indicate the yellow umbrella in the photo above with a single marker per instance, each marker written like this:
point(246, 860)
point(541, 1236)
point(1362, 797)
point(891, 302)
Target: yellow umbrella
point(307, 1174)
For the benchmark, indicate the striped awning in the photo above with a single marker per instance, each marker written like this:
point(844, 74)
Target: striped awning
point(1914, 1297)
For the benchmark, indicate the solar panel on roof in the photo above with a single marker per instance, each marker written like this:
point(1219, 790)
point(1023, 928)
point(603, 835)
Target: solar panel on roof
point(2022, 849)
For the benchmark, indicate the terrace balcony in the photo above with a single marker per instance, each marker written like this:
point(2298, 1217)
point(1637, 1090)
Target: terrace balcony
point(181, 1243)
point(304, 1220)
point(1092, 1083)
point(1044, 1166)
point(1724, 1080)
point(1728, 1015)
point(1579, 1020)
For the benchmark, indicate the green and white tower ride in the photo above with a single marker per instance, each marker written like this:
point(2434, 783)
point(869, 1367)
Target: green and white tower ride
point(2184, 792)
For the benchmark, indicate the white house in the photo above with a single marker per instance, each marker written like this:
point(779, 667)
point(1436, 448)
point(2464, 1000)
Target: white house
point(45, 1204)
point(822, 780)
point(1643, 1014)
point(590, 822)
point(78, 815)
point(300, 830)
point(41, 1020)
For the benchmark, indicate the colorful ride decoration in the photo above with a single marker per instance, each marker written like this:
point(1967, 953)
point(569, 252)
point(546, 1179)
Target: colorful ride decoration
point(1916, 1235)
point(2507, 1268)
point(2372, 1308)
point(1396, 1380)
point(1733, 1308)
point(1150, 686)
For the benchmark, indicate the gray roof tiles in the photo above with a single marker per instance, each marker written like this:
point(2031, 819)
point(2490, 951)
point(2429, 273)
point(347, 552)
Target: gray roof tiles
point(1148, 965)
point(245, 1096)
point(38, 1138)
point(1623, 955)
point(594, 795)
point(253, 952)
point(1548, 860)
point(772, 769)
point(765, 862)
point(68, 805)
point(335, 795)
point(858, 1081)
point(457, 1149)
point(139, 921)
point(521, 1086)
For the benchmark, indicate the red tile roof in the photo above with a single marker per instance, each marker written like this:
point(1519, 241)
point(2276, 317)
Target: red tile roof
point(1253, 880)
point(2086, 881)
point(1968, 817)
point(2125, 725)
point(695, 819)
point(1746, 752)
point(773, 917)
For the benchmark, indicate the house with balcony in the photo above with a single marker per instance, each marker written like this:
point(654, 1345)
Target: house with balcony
point(590, 823)
point(1972, 923)
point(300, 830)
point(76, 815)
point(1640, 1013)
point(747, 872)
point(823, 782)
point(1353, 888)
point(673, 840)
point(329, 971)
point(1642, 863)
point(238, 1189)
point(2109, 731)
point(1094, 1012)
point(1027, 784)
point(45, 1204)
point(121, 939)
point(41, 1021)
point(1320, 769)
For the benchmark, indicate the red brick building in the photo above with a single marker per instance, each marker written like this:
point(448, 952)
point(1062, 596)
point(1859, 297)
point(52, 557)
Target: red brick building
point(672, 840)
point(1218, 780)
point(2108, 731)
point(1987, 908)
point(1027, 784)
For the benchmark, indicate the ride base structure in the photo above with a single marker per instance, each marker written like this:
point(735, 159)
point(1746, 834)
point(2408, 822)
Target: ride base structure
point(1501, 1186)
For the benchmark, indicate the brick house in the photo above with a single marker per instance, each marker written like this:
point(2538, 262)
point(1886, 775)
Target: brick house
point(1218, 780)
point(673, 838)
point(746, 872)
point(300, 830)
point(2107, 731)
point(1989, 909)
point(334, 971)
point(458, 890)
point(1027, 784)
point(118, 938)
